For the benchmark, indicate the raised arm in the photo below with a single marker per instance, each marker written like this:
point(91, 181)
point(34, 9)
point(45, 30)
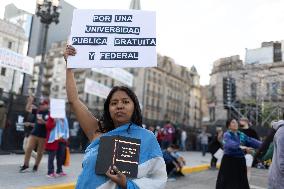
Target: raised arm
point(87, 121)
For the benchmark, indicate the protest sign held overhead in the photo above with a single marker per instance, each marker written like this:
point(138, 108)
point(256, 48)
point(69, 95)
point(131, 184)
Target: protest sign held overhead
point(113, 38)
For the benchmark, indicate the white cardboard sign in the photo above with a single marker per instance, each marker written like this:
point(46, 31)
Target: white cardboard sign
point(16, 61)
point(118, 74)
point(57, 108)
point(95, 88)
point(113, 38)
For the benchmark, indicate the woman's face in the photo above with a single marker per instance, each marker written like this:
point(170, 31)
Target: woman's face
point(121, 108)
point(233, 125)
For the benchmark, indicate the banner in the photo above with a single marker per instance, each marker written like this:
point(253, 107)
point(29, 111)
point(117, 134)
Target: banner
point(113, 38)
point(57, 108)
point(118, 74)
point(95, 88)
point(13, 60)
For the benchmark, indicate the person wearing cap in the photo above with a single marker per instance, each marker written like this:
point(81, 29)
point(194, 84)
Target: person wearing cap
point(37, 137)
point(3, 116)
point(250, 132)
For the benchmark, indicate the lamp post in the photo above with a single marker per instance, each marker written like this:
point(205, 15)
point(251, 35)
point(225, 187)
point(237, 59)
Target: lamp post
point(48, 12)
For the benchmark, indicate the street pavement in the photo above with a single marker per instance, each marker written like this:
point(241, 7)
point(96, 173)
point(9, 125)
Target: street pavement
point(10, 178)
point(207, 180)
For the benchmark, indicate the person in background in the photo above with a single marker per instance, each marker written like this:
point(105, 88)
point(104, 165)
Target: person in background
point(247, 130)
point(177, 136)
point(168, 132)
point(152, 129)
point(37, 137)
point(183, 138)
point(29, 123)
point(203, 138)
point(57, 134)
point(160, 135)
point(233, 170)
point(172, 162)
point(214, 146)
point(3, 116)
point(260, 153)
point(84, 141)
point(276, 169)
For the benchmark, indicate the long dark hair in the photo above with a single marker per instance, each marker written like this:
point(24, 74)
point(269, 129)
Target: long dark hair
point(228, 122)
point(106, 123)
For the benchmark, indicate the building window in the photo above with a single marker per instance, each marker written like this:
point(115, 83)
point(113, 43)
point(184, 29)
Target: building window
point(253, 88)
point(282, 89)
point(3, 71)
point(56, 88)
point(267, 89)
point(10, 44)
point(87, 98)
point(212, 113)
point(112, 82)
point(274, 90)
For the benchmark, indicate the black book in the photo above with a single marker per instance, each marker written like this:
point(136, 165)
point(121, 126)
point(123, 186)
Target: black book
point(123, 152)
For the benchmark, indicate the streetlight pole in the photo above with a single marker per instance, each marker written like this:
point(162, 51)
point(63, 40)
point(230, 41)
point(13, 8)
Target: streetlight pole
point(48, 12)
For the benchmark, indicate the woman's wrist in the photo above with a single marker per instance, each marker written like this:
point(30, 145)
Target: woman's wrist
point(124, 184)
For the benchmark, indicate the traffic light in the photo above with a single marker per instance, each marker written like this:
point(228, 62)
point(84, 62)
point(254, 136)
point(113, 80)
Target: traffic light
point(229, 91)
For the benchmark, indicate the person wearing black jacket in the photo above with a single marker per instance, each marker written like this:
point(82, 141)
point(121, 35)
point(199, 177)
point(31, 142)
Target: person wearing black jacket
point(245, 128)
point(37, 137)
point(214, 146)
point(250, 132)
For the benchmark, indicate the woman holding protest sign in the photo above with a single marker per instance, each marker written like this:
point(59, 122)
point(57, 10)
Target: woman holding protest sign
point(121, 117)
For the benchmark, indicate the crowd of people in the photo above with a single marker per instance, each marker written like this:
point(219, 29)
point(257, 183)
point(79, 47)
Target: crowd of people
point(44, 133)
point(239, 147)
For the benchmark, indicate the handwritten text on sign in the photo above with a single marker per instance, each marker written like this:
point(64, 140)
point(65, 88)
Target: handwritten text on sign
point(113, 38)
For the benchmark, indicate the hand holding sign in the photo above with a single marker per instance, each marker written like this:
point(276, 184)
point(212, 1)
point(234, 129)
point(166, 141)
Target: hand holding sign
point(69, 51)
point(116, 176)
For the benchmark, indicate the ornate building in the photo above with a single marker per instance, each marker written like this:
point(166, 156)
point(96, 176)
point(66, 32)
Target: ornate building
point(12, 37)
point(168, 92)
point(258, 90)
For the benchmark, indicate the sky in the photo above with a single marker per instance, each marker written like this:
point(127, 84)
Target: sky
point(199, 32)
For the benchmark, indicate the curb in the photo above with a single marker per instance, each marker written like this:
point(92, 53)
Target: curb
point(185, 170)
point(57, 186)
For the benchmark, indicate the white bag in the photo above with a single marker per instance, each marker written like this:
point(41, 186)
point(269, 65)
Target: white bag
point(219, 154)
